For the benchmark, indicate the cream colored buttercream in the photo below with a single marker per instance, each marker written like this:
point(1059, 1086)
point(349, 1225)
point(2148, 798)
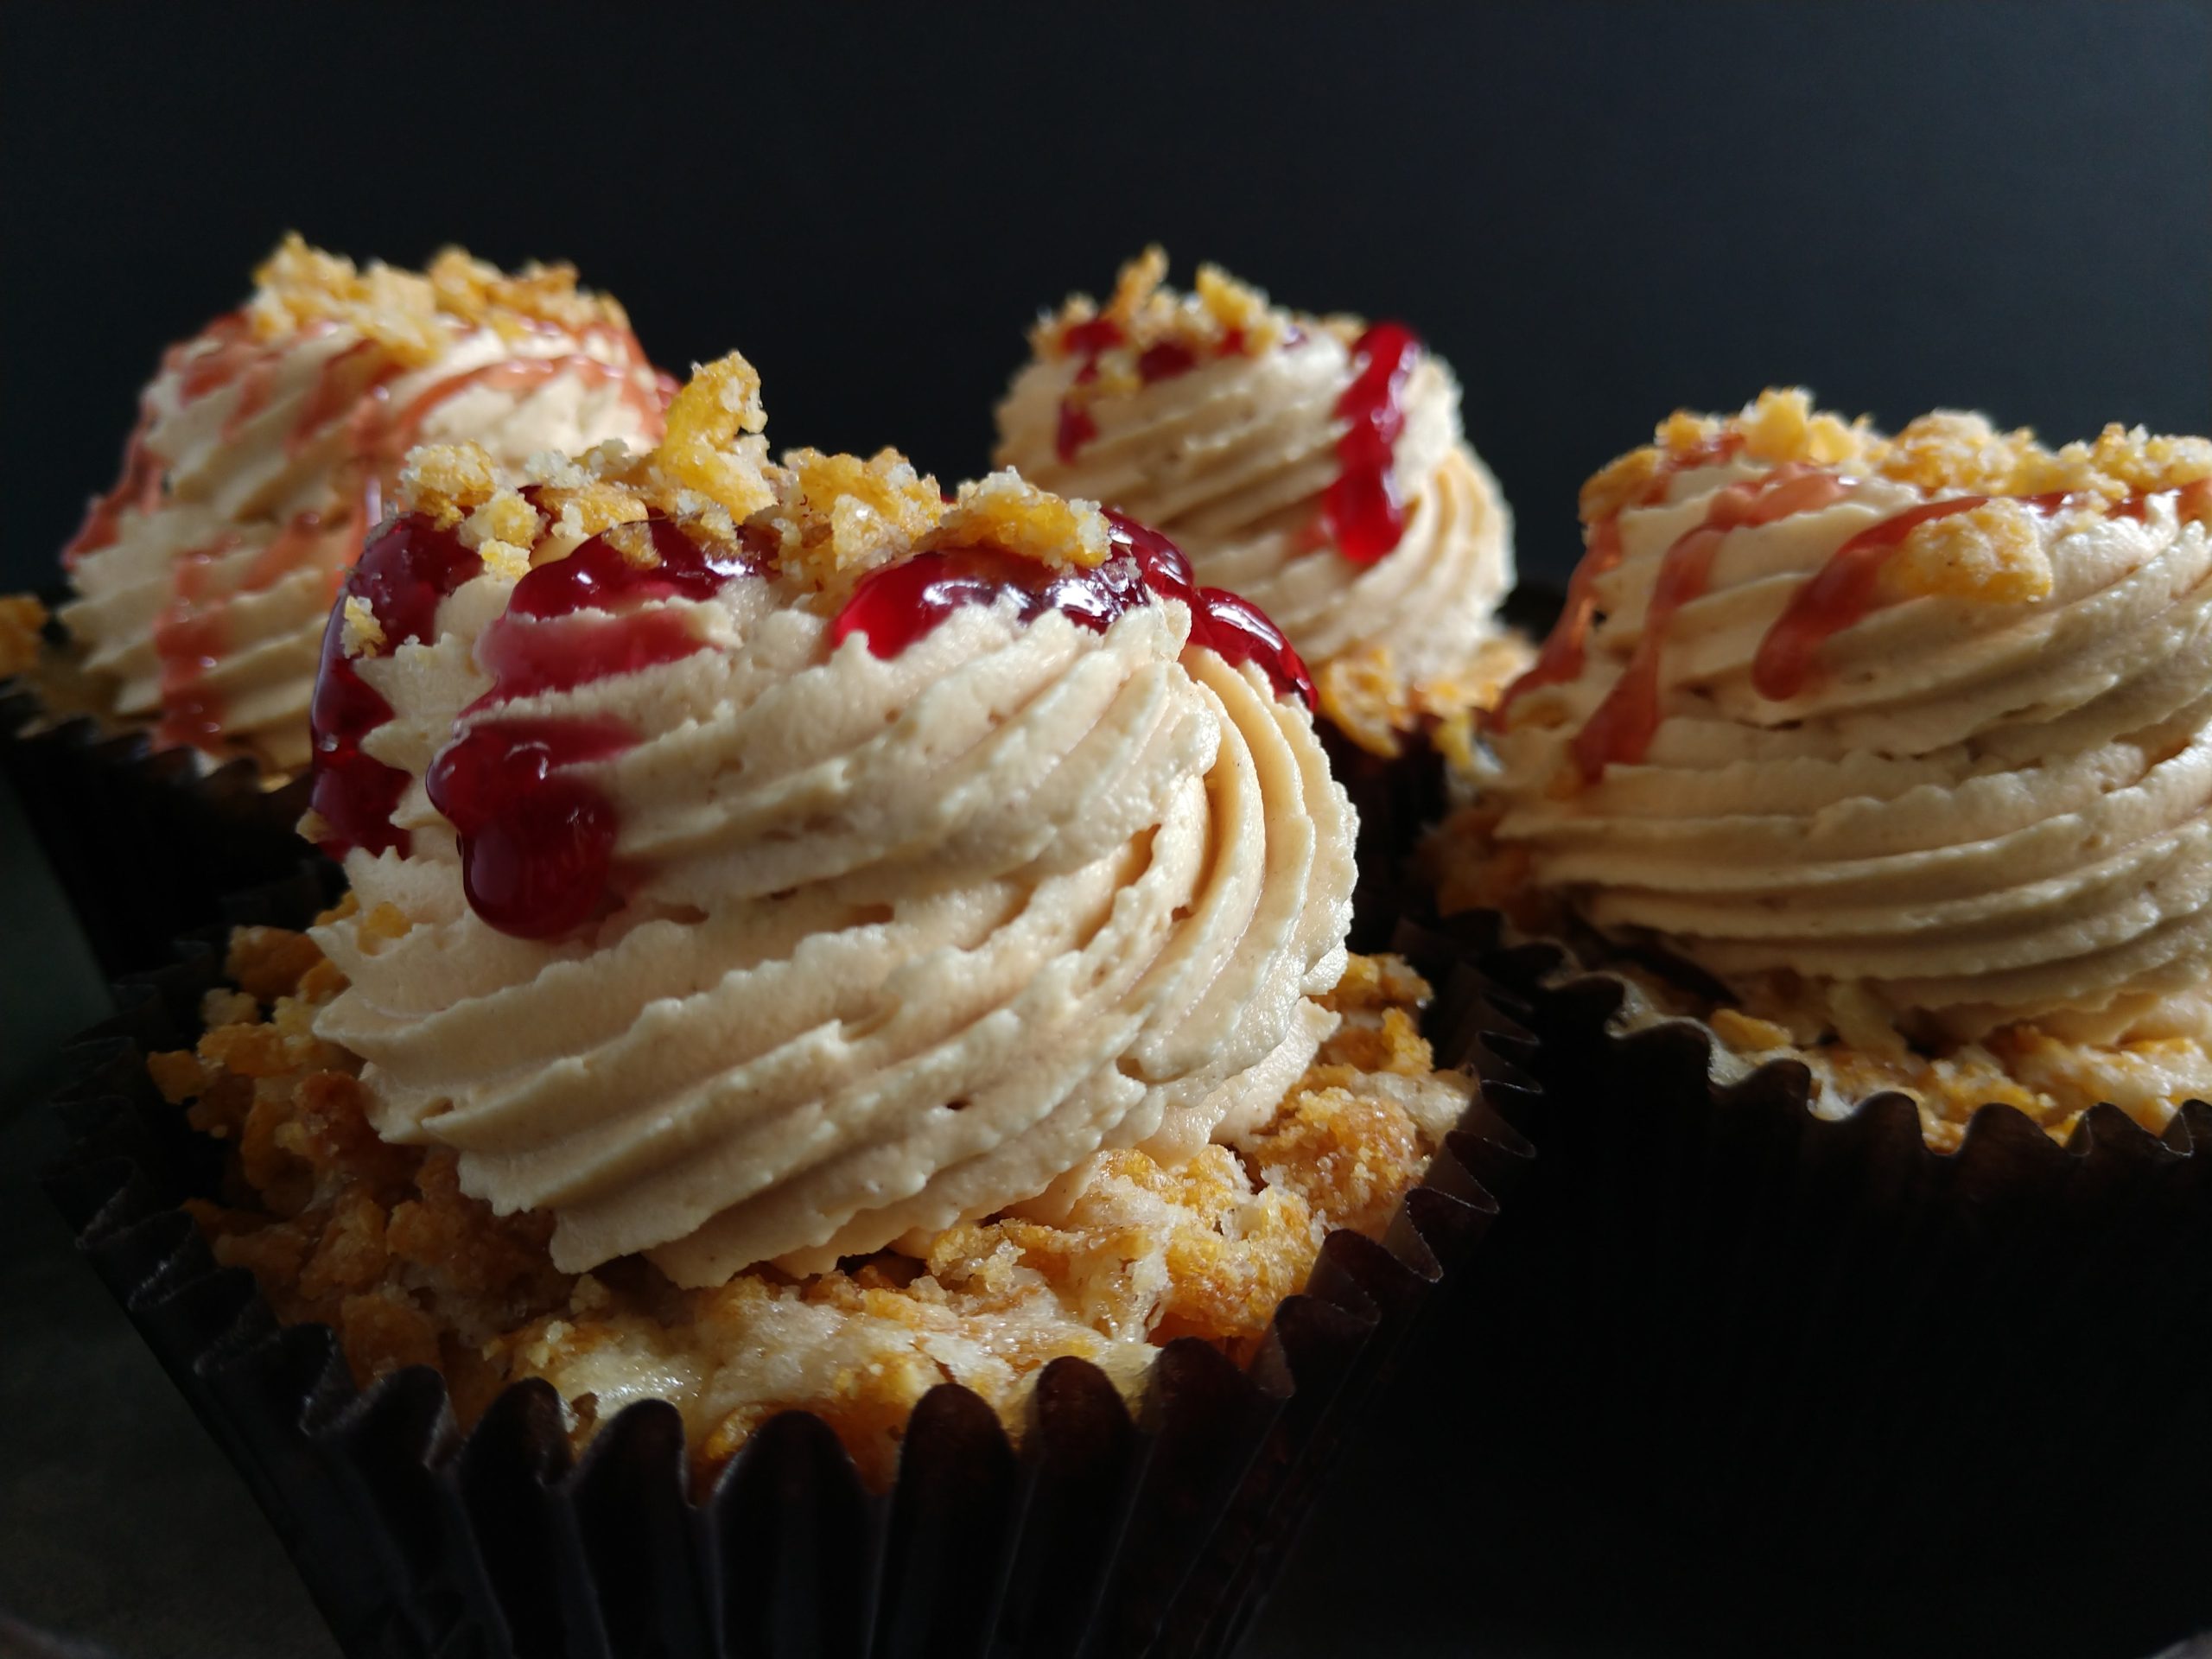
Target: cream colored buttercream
point(1987, 803)
point(900, 941)
point(205, 612)
point(1233, 459)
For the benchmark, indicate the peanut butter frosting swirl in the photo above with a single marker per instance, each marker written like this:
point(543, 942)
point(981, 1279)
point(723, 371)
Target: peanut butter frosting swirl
point(263, 450)
point(1316, 466)
point(1920, 726)
point(912, 895)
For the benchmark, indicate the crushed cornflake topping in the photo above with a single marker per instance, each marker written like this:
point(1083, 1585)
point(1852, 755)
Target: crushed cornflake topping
point(1366, 695)
point(364, 634)
point(22, 621)
point(825, 520)
point(378, 1241)
point(414, 315)
point(1946, 453)
point(1991, 553)
point(502, 531)
point(446, 481)
point(703, 452)
point(1220, 317)
point(1006, 511)
point(837, 516)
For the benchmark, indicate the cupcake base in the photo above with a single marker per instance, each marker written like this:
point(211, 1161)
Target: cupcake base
point(1102, 1531)
point(1798, 1384)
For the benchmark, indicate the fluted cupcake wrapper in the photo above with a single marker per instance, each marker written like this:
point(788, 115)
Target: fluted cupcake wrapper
point(1103, 1532)
point(144, 841)
point(1771, 1367)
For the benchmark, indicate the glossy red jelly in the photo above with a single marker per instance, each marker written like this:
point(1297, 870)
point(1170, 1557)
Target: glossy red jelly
point(404, 572)
point(599, 575)
point(536, 845)
point(892, 608)
point(581, 619)
point(1363, 510)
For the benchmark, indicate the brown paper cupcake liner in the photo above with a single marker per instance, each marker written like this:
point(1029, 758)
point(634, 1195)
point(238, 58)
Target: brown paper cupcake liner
point(144, 842)
point(1805, 1385)
point(1101, 1532)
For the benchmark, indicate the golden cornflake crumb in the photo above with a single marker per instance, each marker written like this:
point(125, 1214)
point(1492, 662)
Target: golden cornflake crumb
point(1947, 452)
point(446, 481)
point(503, 530)
point(380, 1242)
point(703, 452)
point(22, 621)
point(1220, 317)
point(364, 634)
point(1990, 553)
point(839, 517)
point(413, 315)
point(1363, 693)
point(1006, 511)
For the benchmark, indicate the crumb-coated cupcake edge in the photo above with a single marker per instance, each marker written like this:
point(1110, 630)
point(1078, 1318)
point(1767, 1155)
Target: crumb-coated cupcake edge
point(1105, 1531)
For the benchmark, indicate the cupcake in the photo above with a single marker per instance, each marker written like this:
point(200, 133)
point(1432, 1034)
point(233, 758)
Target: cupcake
point(202, 580)
point(811, 940)
point(1887, 755)
point(174, 696)
point(1848, 840)
point(1315, 465)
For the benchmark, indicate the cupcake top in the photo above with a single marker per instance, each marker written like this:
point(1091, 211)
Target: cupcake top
point(770, 863)
point(1315, 465)
point(262, 449)
point(1918, 729)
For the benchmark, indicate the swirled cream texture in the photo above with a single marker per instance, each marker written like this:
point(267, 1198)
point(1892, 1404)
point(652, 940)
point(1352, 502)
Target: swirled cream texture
point(1922, 725)
point(1224, 423)
point(203, 582)
point(891, 940)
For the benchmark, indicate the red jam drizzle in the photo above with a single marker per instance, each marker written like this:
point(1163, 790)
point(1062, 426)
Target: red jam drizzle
point(1364, 512)
point(384, 435)
point(406, 569)
point(892, 608)
point(1842, 594)
point(1620, 728)
point(537, 844)
point(140, 486)
point(1560, 661)
point(584, 618)
point(1089, 340)
point(352, 385)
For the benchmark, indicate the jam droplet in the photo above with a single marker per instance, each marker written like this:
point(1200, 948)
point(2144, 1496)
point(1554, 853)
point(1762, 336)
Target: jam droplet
point(1363, 512)
point(406, 569)
point(537, 845)
point(893, 607)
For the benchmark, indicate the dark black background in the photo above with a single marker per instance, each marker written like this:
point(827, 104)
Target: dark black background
point(1599, 212)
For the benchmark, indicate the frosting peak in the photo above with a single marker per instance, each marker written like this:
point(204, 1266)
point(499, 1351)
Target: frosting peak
point(264, 450)
point(733, 909)
point(1922, 723)
point(1314, 465)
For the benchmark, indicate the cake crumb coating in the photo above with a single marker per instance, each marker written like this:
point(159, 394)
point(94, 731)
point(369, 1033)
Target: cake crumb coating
point(378, 1241)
